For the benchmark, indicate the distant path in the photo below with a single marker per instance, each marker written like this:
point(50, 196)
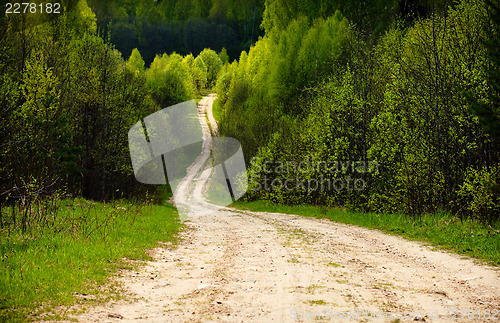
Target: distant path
point(208, 109)
point(238, 266)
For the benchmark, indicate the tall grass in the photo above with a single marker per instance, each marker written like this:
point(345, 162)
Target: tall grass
point(45, 266)
point(217, 110)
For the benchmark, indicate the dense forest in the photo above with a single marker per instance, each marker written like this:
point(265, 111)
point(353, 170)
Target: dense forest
point(183, 26)
point(377, 113)
point(409, 86)
point(67, 100)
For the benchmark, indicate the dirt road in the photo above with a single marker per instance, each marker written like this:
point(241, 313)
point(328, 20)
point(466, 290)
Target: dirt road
point(236, 266)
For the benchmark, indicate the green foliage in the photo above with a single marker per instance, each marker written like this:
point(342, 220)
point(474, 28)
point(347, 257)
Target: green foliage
point(198, 72)
point(135, 62)
point(274, 78)
point(105, 96)
point(213, 64)
point(372, 16)
point(169, 80)
point(74, 253)
point(183, 26)
point(172, 78)
point(39, 113)
point(423, 132)
point(67, 101)
point(223, 56)
point(480, 193)
point(315, 88)
point(488, 111)
point(81, 19)
point(217, 110)
point(223, 84)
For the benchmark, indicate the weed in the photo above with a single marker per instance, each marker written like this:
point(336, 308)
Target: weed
point(316, 302)
point(70, 259)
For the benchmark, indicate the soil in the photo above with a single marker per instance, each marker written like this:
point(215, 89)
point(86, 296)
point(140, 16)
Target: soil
point(242, 266)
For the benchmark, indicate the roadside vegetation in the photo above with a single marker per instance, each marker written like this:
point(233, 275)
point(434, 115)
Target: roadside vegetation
point(413, 86)
point(414, 89)
point(70, 206)
point(68, 99)
point(70, 249)
point(217, 110)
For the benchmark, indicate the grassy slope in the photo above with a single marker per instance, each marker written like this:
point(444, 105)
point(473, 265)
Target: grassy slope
point(217, 110)
point(37, 274)
point(465, 237)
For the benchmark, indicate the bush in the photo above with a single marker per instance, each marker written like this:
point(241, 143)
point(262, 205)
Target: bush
point(480, 194)
point(212, 63)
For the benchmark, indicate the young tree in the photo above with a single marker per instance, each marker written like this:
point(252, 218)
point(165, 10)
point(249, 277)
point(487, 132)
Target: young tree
point(213, 64)
point(135, 62)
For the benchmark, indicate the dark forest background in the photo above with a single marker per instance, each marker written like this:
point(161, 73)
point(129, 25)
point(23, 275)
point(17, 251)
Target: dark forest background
point(185, 27)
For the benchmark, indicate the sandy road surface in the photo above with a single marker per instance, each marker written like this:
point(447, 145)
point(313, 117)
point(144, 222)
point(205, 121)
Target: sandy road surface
point(236, 266)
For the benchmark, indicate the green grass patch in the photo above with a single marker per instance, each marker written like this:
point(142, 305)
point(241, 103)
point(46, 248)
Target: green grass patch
point(316, 302)
point(75, 254)
point(466, 237)
point(217, 110)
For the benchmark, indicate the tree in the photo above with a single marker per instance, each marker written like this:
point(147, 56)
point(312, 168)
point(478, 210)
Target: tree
point(223, 56)
point(169, 80)
point(489, 112)
point(135, 62)
point(213, 64)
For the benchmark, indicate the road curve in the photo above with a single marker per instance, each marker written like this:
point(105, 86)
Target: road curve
point(240, 266)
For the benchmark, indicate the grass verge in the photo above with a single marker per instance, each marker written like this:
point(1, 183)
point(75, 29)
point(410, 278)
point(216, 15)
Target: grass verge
point(217, 110)
point(466, 237)
point(75, 254)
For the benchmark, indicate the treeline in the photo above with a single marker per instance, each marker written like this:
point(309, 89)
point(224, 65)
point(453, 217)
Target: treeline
point(67, 100)
point(417, 94)
point(183, 26)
